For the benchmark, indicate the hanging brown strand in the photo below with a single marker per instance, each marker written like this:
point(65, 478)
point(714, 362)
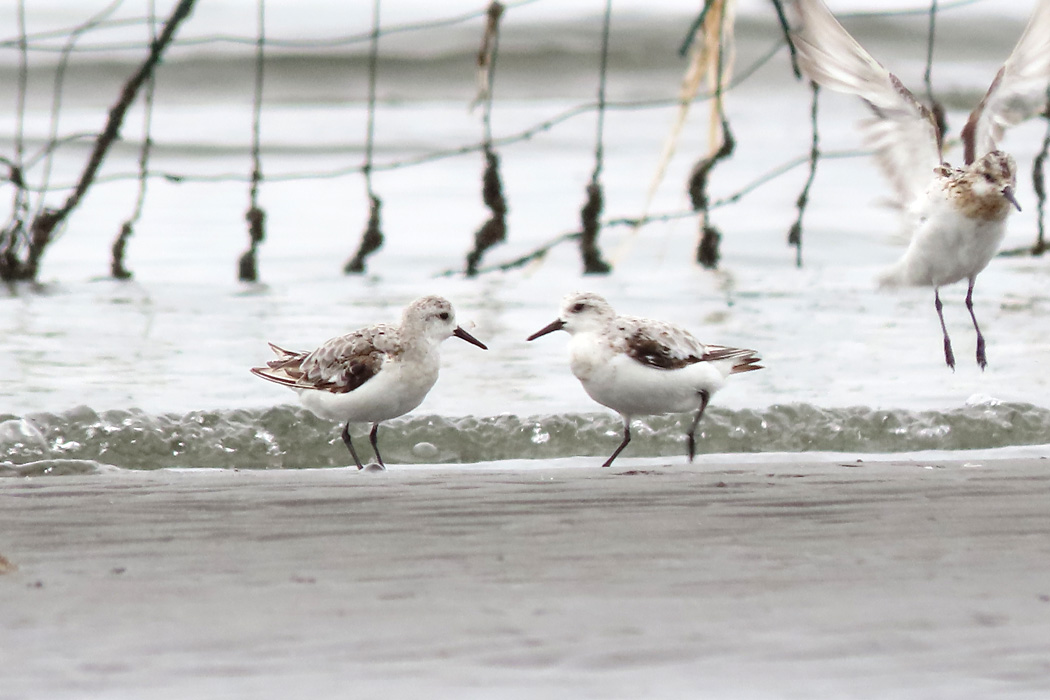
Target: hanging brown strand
point(13, 234)
point(795, 234)
point(707, 250)
point(116, 263)
point(792, 52)
point(248, 266)
point(116, 267)
point(707, 253)
point(487, 52)
point(936, 108)
point(1039, 185)
point(593, 264)
point(494, 230)
point(372, 238)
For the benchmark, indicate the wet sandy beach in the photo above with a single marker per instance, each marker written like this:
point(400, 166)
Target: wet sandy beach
point(784, 579)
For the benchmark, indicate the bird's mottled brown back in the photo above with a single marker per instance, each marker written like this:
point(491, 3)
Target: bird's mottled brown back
point(657, 344)
point(665, 346)
point(343, 364)
point(340, 365)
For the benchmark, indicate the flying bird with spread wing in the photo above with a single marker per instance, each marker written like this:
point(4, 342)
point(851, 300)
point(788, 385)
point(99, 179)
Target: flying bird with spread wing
point(956, 216)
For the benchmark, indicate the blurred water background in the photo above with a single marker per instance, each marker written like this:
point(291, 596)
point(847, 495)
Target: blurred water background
point(152, 371)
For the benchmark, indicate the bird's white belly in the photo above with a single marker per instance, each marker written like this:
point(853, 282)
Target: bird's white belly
point(396, 390)
point(948, 249)
point(631, 388)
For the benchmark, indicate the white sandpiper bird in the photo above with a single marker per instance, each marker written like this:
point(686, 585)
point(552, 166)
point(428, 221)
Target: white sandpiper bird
point(372, 374)
point(639, 367)
point(956, 217)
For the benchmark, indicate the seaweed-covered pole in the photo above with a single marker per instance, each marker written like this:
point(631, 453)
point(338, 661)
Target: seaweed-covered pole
point(494, 230)
point(936, 108)
point(707, 253)
point(42, 229)
point(248, 267)
point(714, 26)
point(795, 234)
point(593, 264)
point(13, 234)
point(1039, 185)
point(372, 239)
point(117, 268)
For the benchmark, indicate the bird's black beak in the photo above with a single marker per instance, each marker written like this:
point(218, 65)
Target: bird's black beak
point(460, 333)
point(549, 328)
point(1008, 192)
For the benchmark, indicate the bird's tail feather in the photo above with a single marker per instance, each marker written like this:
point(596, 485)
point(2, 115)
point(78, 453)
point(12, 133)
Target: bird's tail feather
point(892, 277)
point(747, 364)
point(283, 370)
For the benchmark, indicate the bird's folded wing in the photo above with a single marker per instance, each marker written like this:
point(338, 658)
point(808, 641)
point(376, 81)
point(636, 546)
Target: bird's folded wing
point(343, 364)
point(658, 344)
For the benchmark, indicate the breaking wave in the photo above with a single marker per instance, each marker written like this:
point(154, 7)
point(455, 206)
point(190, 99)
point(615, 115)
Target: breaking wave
point(286, 437)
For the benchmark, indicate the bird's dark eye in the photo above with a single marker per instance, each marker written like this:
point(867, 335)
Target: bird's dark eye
point(989, 177)
point(443, 315)
point(578, 307)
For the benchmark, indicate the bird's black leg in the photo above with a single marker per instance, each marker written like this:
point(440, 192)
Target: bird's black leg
point(375, 445)
point(350, 446)
point(949, 356)
point(705, 396)
point(981, 359)
point(626, 439)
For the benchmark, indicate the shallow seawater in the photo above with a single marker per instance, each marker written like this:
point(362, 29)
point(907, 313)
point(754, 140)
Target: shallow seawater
point(153, 372)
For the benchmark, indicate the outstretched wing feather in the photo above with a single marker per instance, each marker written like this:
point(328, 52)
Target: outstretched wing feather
point(1019, 91)
point(902, 131)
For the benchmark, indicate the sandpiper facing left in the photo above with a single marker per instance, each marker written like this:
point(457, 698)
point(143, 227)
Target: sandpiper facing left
point(956, 217)
point(372, 374)
point(641, 367)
